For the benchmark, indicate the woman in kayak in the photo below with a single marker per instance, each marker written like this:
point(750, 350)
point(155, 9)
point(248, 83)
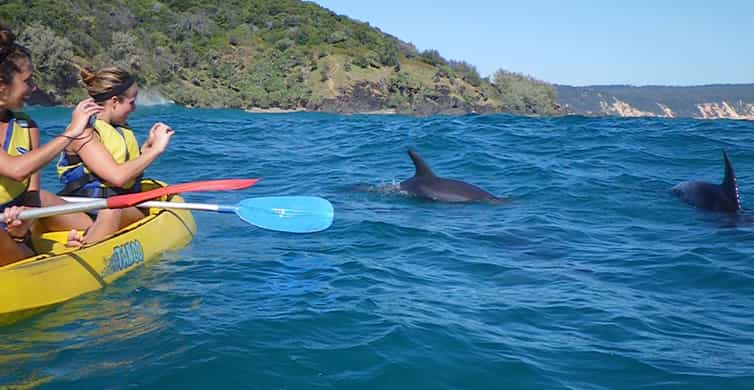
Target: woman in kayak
point(21, 157)
point(108, 160)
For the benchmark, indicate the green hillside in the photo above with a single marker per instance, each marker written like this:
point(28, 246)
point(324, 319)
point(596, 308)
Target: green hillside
point(261, 54)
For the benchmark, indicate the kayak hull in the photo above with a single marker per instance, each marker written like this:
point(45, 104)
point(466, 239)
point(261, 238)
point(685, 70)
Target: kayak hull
point(59, 273)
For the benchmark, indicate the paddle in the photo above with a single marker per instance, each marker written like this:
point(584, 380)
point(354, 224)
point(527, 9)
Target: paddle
point(128, 200)
point(293, 214)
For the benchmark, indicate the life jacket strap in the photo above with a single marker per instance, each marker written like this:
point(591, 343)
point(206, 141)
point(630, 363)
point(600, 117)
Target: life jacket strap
point(78, 187)
point(17, 201)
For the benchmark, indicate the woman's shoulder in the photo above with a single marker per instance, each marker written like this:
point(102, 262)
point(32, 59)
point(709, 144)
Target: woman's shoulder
point(88, 137)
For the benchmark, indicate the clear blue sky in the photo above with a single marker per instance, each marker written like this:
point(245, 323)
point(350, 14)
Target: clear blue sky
point(578, 42)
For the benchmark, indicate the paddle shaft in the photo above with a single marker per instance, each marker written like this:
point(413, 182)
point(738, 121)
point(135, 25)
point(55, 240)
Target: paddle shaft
point(128, 200)
point(68, 208)
point(168, 205)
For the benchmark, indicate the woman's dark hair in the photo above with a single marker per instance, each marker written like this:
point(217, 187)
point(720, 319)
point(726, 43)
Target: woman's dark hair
point(10, 55)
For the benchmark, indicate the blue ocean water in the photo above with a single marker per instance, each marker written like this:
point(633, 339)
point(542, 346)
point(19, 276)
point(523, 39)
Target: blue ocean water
point(593, 277)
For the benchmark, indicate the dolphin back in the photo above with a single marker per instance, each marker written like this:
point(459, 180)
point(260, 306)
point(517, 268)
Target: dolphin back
point(422, 169)
point(425, 184)
point(722, 197)
point(729, 186)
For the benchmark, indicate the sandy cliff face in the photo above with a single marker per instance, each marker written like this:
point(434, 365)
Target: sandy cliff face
point(666, 111)
point(726, 110)
point(714, 101)
point(619, 108)
point(717, 110)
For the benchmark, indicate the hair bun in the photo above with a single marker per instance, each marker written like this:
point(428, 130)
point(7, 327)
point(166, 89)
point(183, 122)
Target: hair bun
point(88, 75)
point(7, 39)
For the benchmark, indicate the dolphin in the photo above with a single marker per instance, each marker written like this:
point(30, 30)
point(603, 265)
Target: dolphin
point(721, 197)
point(426, 185)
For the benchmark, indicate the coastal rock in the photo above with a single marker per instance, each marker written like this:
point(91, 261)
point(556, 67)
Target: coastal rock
point(42, 98)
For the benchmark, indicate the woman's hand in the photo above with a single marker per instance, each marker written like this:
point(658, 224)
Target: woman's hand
point(159, 138)
point(80, 117)
point(148, 143)
point(15, 227)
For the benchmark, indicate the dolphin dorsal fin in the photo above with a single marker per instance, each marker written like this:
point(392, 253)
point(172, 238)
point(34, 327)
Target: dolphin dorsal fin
point(422, 169)
point(729, 184)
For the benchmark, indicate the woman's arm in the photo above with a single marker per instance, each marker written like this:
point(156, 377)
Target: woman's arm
point(34, 183)
point(32, 198)
point(20, 167)
point(98, 160)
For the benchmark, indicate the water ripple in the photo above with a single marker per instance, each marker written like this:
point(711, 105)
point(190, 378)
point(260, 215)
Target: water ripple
point(593, 277)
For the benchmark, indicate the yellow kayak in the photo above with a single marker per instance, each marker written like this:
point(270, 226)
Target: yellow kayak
point(60, 273)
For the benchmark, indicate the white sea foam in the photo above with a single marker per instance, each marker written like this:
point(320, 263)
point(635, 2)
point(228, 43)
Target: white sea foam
point(148, 97)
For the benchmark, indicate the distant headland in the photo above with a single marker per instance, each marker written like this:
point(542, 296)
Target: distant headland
point(722, 101)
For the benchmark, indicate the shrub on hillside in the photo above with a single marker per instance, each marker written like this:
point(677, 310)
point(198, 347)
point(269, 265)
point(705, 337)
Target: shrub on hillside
point(51, 55)
point(467, 72)
point(432, 57)
point(520, 93)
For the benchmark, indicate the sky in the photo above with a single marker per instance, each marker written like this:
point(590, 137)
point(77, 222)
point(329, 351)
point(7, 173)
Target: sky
point(577, 42)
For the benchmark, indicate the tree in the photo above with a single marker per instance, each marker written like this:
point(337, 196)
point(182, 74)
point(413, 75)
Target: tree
point(51, 55)
point(389, 55)
point(467, 72)
point(123, 50)
point(432, 57)
point(520, 93)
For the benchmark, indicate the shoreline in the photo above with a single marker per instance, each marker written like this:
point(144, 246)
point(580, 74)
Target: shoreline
point(274, 110)
point(391, 111)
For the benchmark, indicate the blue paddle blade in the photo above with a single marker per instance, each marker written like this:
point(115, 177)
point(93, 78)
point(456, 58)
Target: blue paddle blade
point(295, 214)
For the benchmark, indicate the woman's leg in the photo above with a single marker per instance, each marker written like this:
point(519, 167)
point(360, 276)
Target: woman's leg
point(77, 221)
point(108, 222)
point(130, 215)
point(10, 250)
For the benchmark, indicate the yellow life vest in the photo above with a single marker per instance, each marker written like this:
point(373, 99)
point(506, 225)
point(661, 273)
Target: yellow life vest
point(17, 142)
point(79, 180)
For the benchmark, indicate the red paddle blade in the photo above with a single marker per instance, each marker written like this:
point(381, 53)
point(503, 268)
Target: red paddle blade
point(128, 200)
